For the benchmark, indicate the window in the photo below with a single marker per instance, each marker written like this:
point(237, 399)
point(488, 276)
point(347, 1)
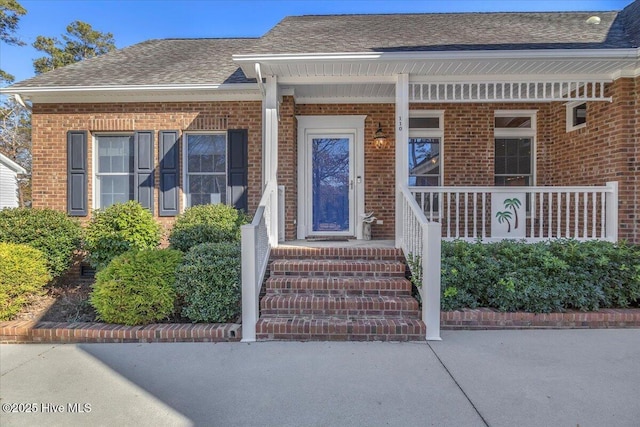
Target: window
point(206, 168)
point(114, 169)
point(425, 148)
point(576, 115)
point(515, 133)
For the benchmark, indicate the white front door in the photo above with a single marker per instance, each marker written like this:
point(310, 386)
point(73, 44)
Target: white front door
point(330, 176)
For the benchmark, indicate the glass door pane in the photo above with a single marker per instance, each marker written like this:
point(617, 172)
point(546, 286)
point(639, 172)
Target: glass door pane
point(330, 185)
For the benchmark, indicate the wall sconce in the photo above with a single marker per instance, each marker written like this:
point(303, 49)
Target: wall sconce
point(380, 138)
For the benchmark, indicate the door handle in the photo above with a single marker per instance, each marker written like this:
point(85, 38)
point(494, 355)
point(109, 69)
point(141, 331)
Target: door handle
point(351, 184)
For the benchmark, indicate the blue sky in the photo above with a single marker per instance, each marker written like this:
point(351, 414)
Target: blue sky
point(133, 21)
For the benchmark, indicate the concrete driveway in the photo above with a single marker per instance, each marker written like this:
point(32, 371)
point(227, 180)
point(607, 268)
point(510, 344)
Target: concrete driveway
point(472, 378)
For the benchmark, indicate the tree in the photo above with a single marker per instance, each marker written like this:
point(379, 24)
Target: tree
point(80, 42)
point(10, 13)
point(504, 216)
point(15, 142)
point(513, 204)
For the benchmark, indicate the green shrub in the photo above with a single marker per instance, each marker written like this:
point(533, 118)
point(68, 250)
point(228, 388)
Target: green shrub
point(137, 287)
point(52, 232)
point(118, 229)
point(206, 224)
point(23, 274)
point(541, 277)
point(208, 282)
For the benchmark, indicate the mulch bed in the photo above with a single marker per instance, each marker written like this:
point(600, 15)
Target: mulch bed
point(63, 315)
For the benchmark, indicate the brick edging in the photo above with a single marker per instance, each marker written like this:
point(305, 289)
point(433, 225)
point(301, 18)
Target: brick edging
point(50, 332)
point(22, 331)
point(487, 318)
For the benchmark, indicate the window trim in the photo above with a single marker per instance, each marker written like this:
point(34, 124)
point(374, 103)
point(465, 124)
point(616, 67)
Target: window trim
point(95, 197)
point(429, 133)
point(185, 162)
point(570, 107)
point(499, 133)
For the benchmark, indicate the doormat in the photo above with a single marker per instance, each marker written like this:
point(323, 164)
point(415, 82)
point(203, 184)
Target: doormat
point(327, 239)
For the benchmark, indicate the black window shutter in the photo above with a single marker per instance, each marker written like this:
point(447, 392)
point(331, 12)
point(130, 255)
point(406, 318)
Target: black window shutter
point(77, 195)
point(237, 165)
point(143, 174)
point(169, 149)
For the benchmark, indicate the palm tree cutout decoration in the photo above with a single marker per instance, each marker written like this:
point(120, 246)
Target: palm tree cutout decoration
point(505, 216)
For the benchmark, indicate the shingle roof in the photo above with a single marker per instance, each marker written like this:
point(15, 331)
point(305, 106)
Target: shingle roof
point(442, 32)
point(154, 62)
point(631, 19)
point(209, 61)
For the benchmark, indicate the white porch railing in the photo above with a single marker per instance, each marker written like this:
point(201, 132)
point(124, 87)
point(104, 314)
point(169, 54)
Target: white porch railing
point(581, 213)
point(257, 240)
point(421, 246)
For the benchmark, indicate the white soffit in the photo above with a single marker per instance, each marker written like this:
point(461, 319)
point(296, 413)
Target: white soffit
point(294, 68)
point(344, 93)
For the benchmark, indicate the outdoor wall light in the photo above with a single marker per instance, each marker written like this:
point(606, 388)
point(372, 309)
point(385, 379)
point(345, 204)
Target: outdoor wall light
point(380, 139)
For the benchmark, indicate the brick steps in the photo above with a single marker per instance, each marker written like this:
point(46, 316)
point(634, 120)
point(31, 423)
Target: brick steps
point(359, 268)
point(340, 306)
point(356, 286)
point(329, 293)
point(331, 253)
point(304, 328)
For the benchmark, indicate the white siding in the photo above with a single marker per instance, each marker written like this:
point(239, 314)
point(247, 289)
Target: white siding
point(8, 187)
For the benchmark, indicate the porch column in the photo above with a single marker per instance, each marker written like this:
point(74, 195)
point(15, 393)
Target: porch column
point(402, 136)
point(270, 113)
point(270, 151)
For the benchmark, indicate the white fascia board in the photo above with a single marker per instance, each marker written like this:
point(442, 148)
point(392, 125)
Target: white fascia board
point(140, 93)
point(129, 88)
point(12, 165)
point(246, 60)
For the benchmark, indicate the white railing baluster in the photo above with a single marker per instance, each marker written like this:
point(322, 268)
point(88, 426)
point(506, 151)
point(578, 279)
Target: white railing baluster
point(457, 214)
point(466, 214)
point(484, 207)
point(568, 209)
point(532, 226)
point(550, 216)
point(475, 215)
point(541, 231)
point(576, 214)
point(593, 214)
point(603, 199)
point(559, 218)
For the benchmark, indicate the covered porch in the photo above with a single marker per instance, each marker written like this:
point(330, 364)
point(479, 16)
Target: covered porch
point(460, 194)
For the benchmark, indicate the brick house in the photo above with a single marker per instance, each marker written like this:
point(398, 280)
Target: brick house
point(326, 118)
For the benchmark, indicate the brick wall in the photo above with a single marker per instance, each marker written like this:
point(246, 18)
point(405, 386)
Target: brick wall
point(51, 122)
point(606, 149)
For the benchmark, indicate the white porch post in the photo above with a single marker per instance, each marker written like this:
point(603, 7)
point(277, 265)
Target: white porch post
point(270, 106)
point(250, 299)
point(402, 136)
point(431, 280)
point(612, 212)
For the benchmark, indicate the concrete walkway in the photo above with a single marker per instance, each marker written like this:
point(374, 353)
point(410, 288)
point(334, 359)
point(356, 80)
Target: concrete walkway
point(472, 378)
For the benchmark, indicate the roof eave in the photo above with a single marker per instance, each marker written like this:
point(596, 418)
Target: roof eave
point(246, 61)
point(137, 93)
point(12, 165)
